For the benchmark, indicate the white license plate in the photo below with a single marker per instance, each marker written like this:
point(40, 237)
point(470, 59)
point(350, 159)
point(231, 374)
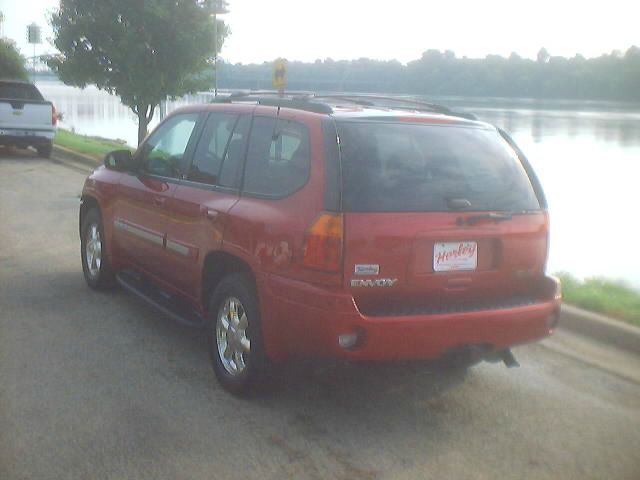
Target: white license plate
point(452, 256)
point(16, 133)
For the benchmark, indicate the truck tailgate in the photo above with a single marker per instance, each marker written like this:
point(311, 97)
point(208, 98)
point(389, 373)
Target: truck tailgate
point(26, 115)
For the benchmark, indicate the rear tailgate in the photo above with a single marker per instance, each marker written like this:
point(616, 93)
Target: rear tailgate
point(438, 218)
point(427, 263)
point(26, 116)
point(23, 109)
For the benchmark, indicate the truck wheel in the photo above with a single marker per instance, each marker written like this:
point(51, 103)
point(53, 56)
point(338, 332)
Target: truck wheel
point(235, 336)
point(95, 264)
point(44, 151)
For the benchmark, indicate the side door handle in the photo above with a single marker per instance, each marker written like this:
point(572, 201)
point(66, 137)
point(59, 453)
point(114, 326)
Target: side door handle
point(212, 215)
point(160, 201)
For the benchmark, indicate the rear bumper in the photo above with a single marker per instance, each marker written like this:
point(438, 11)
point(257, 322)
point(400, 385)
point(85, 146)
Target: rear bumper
point(313, 318)
point(10, 136)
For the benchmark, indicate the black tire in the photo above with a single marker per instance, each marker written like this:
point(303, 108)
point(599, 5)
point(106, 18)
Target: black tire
point(44, 151)
point(99, 275)
point(253, 377)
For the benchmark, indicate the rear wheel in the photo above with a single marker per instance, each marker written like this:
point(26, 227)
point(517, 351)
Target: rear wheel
point(95, 264)
point(235, 336)
point(44, 151)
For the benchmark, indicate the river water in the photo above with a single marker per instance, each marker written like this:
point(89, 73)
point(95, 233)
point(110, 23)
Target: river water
point(587, 155)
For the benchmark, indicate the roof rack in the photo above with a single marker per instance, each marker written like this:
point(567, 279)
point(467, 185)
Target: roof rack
point(297, 100)
point(322, 103)
point(397, 102)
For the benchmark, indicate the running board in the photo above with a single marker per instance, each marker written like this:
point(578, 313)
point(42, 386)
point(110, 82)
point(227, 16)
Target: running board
point(160, 300)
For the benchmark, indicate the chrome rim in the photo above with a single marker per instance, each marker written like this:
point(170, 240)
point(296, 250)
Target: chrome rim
point(234, 346)
point(93, 250)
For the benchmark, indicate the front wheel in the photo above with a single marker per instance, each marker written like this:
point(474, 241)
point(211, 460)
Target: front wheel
point(235, 336)
point(95, 265)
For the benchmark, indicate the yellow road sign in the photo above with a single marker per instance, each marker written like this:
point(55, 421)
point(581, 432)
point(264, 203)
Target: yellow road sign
point(279, 79)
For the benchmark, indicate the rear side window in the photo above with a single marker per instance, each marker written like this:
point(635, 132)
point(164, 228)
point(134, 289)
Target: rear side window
point(402, 167)
point(212, 148)
point(20, 91)
point(279, 157)
point(231, 169)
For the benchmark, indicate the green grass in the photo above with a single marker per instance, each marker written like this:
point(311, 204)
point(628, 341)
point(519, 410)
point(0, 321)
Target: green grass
point(609, 297)
point(95, 147)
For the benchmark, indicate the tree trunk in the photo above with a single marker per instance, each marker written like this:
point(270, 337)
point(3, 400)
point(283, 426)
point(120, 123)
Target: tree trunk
point(145, 114)
point(142, 126)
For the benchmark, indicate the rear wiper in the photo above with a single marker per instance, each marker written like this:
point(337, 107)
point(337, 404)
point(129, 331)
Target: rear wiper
point(473, 219)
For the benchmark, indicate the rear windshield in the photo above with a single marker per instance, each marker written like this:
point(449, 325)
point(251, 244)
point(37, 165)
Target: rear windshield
point(19, 91)
point(403, 167)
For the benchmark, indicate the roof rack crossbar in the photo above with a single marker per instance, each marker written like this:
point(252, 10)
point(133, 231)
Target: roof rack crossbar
point(297, 100)
point(301, 104)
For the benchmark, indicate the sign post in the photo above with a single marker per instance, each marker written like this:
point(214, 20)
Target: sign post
point(279, 78)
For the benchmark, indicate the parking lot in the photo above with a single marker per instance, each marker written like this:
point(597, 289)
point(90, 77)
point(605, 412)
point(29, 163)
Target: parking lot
point(96, 385)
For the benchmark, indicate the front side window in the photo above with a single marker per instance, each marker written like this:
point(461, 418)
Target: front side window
point(279, 157)
point(163, 152)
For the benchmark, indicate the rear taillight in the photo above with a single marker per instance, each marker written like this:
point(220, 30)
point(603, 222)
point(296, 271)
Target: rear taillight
point(54, 116)
point(323, 243)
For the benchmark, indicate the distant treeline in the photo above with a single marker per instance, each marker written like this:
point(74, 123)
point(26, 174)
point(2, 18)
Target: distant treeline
point(615, 76)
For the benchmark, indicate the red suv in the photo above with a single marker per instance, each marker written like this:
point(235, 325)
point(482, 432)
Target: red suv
point(366, 228)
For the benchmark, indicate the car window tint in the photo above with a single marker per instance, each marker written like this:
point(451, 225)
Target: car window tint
point(409, 167)
point(234, 156)
point(278, 159)
point(163, 152)
point(212, 148)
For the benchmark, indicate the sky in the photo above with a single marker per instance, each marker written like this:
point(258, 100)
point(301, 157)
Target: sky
point(399, 29)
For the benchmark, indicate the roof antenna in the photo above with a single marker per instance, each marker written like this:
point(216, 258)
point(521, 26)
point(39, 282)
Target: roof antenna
point(275, 134)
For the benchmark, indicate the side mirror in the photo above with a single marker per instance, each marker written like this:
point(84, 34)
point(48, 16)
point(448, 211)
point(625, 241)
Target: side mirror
point(121, 160)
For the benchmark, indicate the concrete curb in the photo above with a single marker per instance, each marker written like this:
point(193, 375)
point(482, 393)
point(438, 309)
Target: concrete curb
point(600, 328)
point(63, 153)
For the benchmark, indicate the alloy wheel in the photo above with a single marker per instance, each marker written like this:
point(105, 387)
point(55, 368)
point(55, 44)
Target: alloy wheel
point(234, 347)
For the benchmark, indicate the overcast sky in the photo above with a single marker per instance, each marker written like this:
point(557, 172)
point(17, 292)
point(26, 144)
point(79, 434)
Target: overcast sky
point(401, 29)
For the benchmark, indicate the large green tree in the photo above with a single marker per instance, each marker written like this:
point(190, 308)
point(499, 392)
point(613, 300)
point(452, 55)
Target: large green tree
point(140, 50)
point(11, 62)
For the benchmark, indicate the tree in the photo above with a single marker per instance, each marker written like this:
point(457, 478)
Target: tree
point(11, 62)
point(140, 50)
point(543, 55)
point(609, 76)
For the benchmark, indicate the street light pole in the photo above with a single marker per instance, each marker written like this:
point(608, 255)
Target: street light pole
point(216, 7)
point(215, 53)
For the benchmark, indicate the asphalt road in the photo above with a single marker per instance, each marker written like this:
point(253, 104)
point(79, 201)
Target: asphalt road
point(100, 386)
